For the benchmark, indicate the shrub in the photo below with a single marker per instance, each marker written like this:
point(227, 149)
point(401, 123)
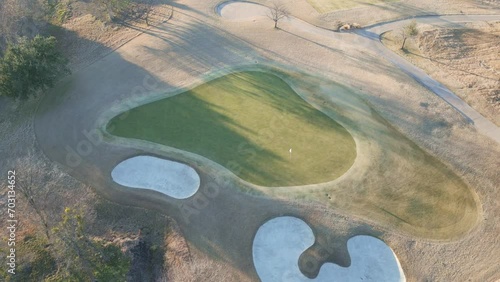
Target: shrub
point(31, 66)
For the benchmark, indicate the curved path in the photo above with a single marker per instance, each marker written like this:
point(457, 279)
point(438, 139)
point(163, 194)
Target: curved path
point(373, 33)
point(371, 40)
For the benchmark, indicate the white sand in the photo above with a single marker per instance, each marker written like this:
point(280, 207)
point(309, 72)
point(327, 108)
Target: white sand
point(242, 11)
point(173, 179)
point(279, 243)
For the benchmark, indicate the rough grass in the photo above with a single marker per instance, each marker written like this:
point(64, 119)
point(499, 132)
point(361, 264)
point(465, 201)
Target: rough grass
point(464, 59)
point(393, 180)
point(325, 6)
point(247, 122)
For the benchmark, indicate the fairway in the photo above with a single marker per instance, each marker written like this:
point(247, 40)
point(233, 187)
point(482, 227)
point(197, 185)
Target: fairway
point(247, 122)
point(326, 6)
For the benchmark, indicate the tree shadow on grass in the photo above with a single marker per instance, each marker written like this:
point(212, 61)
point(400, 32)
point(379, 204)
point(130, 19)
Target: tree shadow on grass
point(237, 121)
point(225, 224)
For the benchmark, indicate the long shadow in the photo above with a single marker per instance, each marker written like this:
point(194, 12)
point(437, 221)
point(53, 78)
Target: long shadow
point(221, 225)
point(68, 114)
point(309, 40)
point(71, 109)
point(197, 121)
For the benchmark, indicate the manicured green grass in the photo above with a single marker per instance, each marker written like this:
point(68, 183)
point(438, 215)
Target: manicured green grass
point(247, 122)
point(325, 6)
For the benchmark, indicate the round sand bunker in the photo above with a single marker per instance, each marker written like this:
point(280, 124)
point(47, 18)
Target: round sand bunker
point(242, 10)
point(279, 243)
point(171, 178)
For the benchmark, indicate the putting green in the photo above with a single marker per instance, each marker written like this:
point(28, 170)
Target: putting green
point(247, 122)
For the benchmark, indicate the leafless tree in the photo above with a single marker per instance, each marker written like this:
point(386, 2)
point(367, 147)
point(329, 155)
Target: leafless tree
point(17, 19)
point(408, 31)
point(148, 9)
point(32, 183)
point(113, 9)
point(277, 12)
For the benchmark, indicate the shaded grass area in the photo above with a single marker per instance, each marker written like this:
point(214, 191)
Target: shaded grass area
point(247, 122)
point(325, 6)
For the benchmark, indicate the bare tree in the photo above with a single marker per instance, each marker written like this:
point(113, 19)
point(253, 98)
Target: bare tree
point(33, 185)
point(277, 12)
point(113, 9)
point(408, 31)
point(148, 9)
point(44, 188)
point(17, 19)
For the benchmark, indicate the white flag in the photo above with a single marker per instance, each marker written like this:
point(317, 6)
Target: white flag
point(290, 150)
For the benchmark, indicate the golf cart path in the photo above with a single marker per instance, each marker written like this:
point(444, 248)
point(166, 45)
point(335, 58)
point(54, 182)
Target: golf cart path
point(483, 125)
point(370, 39)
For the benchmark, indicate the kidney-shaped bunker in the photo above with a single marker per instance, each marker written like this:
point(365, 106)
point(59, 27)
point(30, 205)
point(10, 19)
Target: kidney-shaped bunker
point(280, 241)
point(171, 178)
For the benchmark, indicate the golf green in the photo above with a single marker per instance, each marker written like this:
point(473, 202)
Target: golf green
point(253, 123)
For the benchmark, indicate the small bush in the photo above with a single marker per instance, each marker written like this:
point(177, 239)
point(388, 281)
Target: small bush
point(31, 66)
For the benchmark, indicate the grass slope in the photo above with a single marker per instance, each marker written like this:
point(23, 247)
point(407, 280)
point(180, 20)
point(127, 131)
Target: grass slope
point(394, 181)
point(325, 6)
point(247, 122)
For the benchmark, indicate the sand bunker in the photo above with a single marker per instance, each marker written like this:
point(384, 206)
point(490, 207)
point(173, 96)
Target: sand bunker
point(173, 179)
point(279, 243)
point(242, 11)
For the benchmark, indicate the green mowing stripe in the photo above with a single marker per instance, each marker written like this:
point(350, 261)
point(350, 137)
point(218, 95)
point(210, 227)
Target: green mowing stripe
point(247, 122)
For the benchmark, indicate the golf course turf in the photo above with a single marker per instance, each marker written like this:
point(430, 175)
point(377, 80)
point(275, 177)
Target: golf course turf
point(247, 122)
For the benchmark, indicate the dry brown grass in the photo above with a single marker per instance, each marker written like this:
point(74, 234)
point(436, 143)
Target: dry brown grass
point(55, 190)
point(465, 60)
point(366, 12)
point(393, 181)
point(471, 156)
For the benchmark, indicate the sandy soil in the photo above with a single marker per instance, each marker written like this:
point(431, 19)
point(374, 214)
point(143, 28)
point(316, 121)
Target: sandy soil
point(465, 59)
